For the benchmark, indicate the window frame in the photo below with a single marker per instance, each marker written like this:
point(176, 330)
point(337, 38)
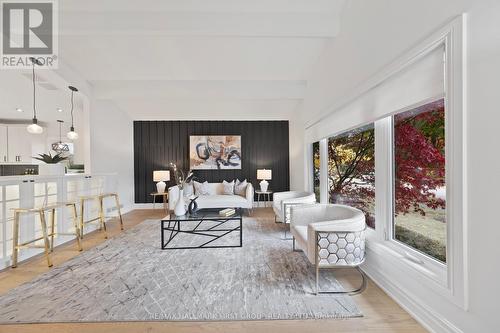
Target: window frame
point(432, 268)
point(450, 278)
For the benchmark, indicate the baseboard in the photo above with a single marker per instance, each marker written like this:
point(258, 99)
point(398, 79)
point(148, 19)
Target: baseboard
point(418, 311)
point(127, 209)
point(147, 206)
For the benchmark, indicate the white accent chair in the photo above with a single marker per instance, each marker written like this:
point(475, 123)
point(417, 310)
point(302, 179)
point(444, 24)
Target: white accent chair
point(331, 236)
point(283, 201)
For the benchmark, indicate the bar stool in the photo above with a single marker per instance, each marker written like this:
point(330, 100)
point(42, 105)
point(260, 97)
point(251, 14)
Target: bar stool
point(99, 198)
point(48, 245)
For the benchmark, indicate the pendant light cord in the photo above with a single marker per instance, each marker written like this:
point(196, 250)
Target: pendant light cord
point(34, 92)
point(72, 108)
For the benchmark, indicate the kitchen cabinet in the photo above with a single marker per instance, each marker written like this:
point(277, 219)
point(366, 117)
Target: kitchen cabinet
point(19, 144)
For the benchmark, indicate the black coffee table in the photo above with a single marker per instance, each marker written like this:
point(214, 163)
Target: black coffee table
point(206, 223)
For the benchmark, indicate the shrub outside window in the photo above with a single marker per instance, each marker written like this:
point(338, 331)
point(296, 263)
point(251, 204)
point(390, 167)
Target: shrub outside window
point(351, 170)
point(316, 170)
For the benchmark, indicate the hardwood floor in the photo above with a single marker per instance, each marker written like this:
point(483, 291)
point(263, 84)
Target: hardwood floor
point(381, 313)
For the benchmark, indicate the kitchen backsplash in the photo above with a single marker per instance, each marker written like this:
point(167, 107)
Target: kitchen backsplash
point(18, 169)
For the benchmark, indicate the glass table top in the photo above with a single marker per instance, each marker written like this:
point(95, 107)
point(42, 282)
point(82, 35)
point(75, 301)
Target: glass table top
point(205, 214)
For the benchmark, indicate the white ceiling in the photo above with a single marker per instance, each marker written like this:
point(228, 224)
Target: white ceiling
point(197, 59)
point(16, 91)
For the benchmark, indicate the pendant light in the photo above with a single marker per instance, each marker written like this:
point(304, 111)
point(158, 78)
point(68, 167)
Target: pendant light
point(72, 135)
point(60, 147)
point(34, 128)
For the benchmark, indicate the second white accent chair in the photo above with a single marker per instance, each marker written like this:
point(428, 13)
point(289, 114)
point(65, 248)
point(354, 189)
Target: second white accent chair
point(283, 201)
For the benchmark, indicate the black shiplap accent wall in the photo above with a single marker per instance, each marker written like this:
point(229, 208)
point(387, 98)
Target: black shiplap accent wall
point(264, 144)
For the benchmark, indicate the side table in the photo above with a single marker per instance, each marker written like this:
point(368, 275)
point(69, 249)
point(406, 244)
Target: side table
point(165, 199)
point(265, 195)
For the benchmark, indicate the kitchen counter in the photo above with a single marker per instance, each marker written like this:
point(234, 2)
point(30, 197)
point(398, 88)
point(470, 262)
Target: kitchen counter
point(29, 191)
point(47, 177)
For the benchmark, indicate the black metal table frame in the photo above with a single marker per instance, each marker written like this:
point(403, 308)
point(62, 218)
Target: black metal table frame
point(175, 229)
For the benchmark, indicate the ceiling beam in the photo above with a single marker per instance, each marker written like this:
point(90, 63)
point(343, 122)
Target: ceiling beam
point(198, 90)
point(84, 23)
point(224, 6)
point(208, 110)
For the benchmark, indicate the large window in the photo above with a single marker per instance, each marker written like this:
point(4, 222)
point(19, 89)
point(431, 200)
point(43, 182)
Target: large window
point(419, 179)
point(316, 170)
point(418, 106)
point(351, 170)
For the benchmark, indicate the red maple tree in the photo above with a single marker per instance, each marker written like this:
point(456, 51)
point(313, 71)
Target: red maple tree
point(419, 158)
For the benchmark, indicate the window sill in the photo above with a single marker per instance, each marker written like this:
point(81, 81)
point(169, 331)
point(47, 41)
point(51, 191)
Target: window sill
point(428, 272)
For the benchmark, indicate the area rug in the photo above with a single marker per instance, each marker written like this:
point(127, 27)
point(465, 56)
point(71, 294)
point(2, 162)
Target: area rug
point(129, 278)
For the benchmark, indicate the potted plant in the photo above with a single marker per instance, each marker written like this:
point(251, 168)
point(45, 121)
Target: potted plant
point(52, 167)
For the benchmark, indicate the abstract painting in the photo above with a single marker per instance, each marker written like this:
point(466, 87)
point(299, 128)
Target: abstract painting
point(214, 152)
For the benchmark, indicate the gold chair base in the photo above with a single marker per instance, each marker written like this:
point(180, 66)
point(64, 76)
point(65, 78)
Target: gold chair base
point(102, 217)
point(48, 244)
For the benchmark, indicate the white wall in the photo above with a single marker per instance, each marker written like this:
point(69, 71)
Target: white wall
point(112, 147)
point(373, 34)
point(296, 137)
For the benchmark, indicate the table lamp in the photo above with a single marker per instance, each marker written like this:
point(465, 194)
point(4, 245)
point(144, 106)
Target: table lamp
point(161, 176)
point(264, 175)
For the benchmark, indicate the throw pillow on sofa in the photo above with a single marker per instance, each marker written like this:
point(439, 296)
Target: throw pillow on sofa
point(228, 188)
point(240, 188)
point(201, 188)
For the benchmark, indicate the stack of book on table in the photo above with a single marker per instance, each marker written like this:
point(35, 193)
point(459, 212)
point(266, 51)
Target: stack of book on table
point(227, 212)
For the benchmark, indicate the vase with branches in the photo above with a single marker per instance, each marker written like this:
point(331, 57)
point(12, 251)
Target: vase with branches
point(181, 179)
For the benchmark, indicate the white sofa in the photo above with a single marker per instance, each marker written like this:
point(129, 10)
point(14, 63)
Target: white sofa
point(216, 198)
point(331, 236)
point(283, 201)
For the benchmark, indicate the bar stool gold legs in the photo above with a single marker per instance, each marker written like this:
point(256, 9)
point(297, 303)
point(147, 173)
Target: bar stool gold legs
point(48, 245)
point(102, 217)
point(48, 237)
point(77, 229)
point(117, 203)
point(52, 228)
point(15, 239)
point(82, 211)
point(117, 200)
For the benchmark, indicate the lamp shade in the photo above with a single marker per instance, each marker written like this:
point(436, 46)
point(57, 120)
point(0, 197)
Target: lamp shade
point(264, 174)
point(72, 135)
point(161, 175)
point(35, 128)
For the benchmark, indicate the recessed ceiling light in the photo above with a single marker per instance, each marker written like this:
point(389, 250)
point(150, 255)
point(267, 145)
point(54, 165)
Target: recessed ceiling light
point(59, 110)
point(19, 110)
